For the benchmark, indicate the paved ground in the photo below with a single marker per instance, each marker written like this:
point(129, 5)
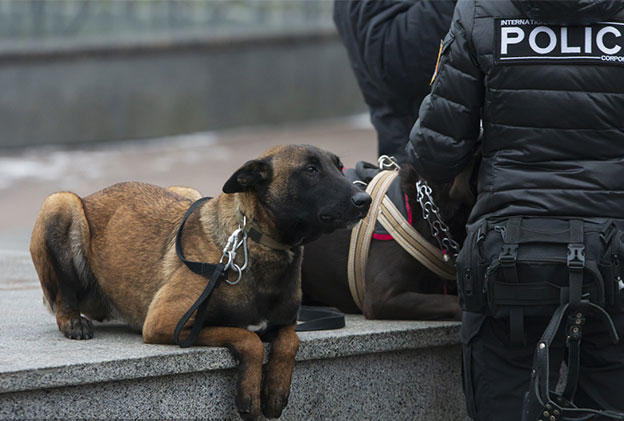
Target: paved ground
point(203, 161)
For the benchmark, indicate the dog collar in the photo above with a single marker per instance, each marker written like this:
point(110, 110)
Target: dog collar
point(254, 232)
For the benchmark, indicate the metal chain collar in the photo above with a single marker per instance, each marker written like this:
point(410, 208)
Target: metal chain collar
point(229, 252)
point(431, 214)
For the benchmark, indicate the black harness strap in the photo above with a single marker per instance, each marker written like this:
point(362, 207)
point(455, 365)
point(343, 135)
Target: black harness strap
point(215, 272)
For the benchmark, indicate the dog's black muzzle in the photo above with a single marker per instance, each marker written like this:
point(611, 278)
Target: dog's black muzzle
point(337, 217)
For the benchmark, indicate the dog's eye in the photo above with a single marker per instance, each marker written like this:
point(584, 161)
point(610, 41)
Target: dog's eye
point(311, 169)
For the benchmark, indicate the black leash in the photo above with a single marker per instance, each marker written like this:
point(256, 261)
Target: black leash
point(214, 272)
point(203, 269)
point(315, 318)
point(309, 319)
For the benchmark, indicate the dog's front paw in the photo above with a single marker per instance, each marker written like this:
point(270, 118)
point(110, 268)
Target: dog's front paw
point(248, 407)
point(77, 328)
point(273, 405)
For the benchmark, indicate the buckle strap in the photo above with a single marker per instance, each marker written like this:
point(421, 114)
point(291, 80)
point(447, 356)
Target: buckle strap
point(509, 250)
point(576, 261)
point(576, 256)
point(576, 231)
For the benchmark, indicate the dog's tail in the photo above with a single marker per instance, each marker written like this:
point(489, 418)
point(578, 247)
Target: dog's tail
point(57, 245)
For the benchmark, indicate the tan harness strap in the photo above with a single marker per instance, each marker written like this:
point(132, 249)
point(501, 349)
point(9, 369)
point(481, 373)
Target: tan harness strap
point(363, 232)
point(383, 210)
point(414, 243)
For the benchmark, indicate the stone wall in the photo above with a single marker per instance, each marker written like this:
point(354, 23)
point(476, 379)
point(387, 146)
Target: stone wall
point(70, 92)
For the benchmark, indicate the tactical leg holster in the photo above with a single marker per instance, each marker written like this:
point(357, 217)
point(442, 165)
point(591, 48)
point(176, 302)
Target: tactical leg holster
point(541, 403)
point(545, 267)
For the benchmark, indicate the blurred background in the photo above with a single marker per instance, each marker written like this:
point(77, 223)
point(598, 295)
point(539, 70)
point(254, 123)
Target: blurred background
point(172, 92)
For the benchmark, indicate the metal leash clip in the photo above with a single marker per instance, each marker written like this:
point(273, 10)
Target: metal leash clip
point(229, 252)
point(385, 162)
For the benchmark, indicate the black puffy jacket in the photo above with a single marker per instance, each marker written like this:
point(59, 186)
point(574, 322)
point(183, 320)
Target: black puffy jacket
point(546, 80)
point(392, 47)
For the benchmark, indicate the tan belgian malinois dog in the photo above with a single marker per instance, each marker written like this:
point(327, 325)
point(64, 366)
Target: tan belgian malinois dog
point(113, 253)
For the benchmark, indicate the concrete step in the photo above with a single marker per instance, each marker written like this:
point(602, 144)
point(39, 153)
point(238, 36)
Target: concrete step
point(381, 370)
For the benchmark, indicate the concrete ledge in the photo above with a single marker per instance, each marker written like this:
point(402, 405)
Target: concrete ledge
point(369, 370)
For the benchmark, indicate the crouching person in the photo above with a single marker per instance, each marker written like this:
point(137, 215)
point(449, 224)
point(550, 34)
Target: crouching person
point(540, 273)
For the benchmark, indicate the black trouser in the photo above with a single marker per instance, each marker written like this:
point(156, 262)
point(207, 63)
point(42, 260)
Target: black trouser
point(497, 374)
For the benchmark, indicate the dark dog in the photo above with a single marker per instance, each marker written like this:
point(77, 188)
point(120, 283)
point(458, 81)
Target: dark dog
point(113, 252)
point(396, 285)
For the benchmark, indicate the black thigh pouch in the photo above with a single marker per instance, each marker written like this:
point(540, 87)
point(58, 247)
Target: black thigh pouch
point(528, 264)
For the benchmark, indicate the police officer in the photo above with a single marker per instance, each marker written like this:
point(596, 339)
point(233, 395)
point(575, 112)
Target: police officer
point(392, 47)
point(545, 81)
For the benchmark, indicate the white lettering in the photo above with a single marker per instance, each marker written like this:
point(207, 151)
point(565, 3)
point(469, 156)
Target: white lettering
point(612, 58)
point(600, 40)
point(551, 34)
point(516, 22)
point(588, 40)
point(510, 36)
point(564, 42)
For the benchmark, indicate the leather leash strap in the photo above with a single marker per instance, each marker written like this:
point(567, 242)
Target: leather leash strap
point(383, 210)
point(315, 318)
point(214, 272)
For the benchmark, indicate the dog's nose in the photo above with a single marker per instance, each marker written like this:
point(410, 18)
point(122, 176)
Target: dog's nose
point(361, 200)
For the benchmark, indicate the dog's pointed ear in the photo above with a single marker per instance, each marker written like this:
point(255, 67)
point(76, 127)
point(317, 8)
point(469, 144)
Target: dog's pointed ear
point(460, 190)
point(249, 176)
